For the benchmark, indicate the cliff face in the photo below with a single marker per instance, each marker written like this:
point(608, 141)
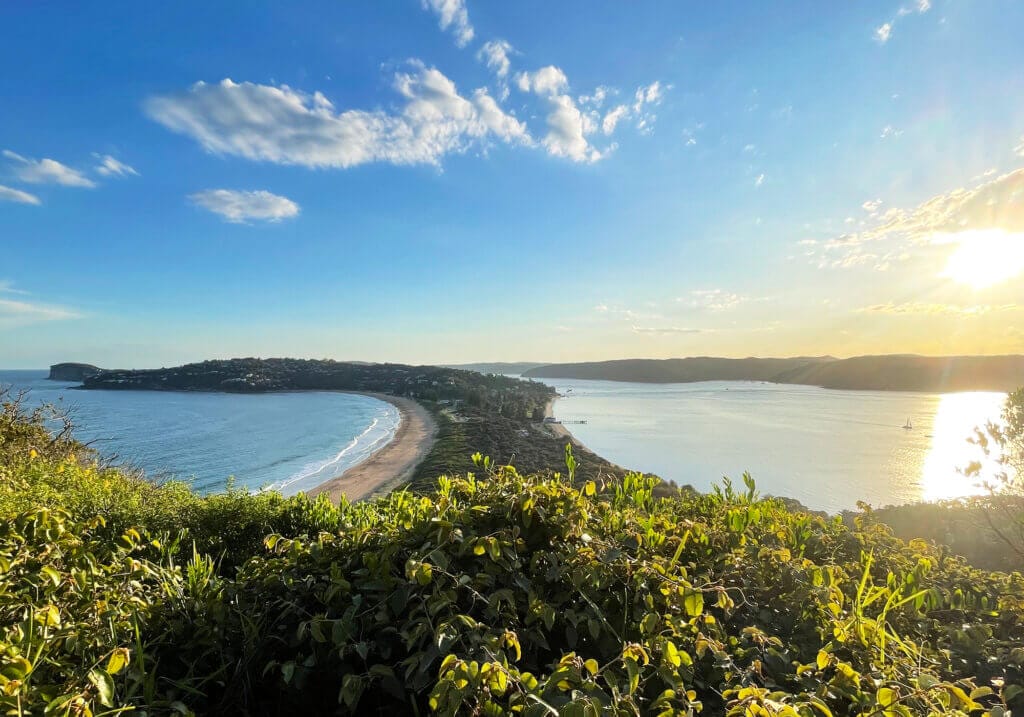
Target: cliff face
point(72, 371)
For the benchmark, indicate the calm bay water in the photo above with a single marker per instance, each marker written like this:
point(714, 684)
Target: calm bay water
point(290, 441)
point(826, 448)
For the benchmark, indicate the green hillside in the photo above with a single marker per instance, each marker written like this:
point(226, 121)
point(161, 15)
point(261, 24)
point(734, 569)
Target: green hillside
point(877, 373)
point(494, 593)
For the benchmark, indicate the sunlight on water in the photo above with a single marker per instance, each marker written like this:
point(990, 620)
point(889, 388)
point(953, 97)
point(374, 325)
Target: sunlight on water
point(957, 416)
point(828, 449)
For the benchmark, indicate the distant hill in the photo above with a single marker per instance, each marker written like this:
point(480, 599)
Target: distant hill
point(685, 370)
point(513, 368)
point(877, 373)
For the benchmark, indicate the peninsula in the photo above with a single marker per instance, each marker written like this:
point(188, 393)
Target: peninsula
point(447, 414)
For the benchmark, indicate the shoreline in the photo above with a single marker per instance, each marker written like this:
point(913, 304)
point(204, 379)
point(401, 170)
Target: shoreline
point(394, 463)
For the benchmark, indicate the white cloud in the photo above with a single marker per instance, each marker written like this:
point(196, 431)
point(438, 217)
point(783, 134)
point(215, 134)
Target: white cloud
point(871, 206)
point(921, 308)
point(611, 119)
point(597, 99)
point(567, 130)
point(452, 14)
point(239, 207)
point(884, 32)
point(651, 94)
point(111, 167)
point(568, 127)
point(286, 126)
point(46, 171)
point(495, 55)
point(643, 98)
point(996, 205)
point(666, 330)
point(547, 81)
point(21, 313)
point(713, 299)
point(759, 180)
point(9, 194)
point(1019, 149)
point(890, 131)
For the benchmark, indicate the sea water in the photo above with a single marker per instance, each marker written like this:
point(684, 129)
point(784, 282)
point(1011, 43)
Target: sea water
point(288, 441)
point(828, 449)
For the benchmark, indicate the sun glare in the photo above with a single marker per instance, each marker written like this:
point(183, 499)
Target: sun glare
point(984, 258)
point(957, 417)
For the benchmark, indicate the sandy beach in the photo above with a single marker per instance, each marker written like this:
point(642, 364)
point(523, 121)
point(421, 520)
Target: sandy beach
point(393, 464)
point(557, 428)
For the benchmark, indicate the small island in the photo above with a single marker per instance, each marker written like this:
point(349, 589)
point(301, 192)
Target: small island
point(73, 371)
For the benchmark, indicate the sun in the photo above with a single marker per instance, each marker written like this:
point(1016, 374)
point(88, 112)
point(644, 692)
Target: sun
point(984, 258)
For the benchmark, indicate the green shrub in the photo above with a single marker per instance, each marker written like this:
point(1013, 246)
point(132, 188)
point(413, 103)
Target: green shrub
point(495, 593)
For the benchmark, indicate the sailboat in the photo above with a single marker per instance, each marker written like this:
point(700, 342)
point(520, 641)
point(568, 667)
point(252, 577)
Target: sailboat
point(908, 425)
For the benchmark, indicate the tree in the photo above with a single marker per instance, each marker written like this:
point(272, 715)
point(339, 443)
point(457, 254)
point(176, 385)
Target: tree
point(1005, 443)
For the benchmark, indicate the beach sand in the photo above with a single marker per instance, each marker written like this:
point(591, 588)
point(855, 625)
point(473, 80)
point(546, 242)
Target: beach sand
point(393, 464)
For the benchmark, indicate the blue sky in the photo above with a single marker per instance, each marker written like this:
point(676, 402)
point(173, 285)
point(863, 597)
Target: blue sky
point(459, 180)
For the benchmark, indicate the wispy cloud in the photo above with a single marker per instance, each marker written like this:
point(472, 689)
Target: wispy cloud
point(571, 122)
point(452, 15)
point(9, 194)
point(286, 126)
point(712, 299)
point(883, 33)
point(46, 171)
point(15, 313)
point(935, 309)
point(993, 205)
point(495, 54)
point(668, 330)
point(111, 167)
point(568, 127)
point(239, 207)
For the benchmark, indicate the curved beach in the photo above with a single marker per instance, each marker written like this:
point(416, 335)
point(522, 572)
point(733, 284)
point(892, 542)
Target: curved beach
point(392, 465)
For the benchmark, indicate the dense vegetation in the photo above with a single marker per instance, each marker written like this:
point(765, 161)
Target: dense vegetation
point(879, 373)
point(532, 446)
point(500, 395)
point(496, 593)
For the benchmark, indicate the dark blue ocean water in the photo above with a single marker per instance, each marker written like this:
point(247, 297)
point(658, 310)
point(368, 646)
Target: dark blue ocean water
point(289, 441)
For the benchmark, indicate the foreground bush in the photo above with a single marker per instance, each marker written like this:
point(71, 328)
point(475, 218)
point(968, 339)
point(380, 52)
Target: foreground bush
point(494, 594)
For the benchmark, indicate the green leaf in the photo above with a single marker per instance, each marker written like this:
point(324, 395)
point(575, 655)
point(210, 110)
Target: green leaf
point(693, 603)
point(351, 690)
point(886, 696)
point(104, 685)
point(118, 659)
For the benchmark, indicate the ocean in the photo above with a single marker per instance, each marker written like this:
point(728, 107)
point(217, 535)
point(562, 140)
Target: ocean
point(288, 441)
point(828, 449)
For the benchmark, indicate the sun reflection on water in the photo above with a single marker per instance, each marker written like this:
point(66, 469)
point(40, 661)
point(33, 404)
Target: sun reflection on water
point(955, 420)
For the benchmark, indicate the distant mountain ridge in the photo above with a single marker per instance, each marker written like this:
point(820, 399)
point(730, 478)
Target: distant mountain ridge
point(897, 372)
